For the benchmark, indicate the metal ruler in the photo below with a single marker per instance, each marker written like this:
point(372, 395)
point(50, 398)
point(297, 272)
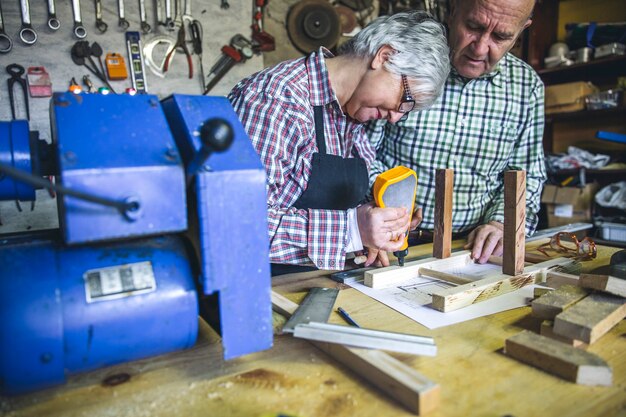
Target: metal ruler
point(137, 68)
point(316, 307)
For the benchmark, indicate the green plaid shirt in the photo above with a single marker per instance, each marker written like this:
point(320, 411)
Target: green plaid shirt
point(480, 128)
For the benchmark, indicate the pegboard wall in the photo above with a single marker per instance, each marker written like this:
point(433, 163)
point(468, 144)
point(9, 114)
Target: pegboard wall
point(52, 49)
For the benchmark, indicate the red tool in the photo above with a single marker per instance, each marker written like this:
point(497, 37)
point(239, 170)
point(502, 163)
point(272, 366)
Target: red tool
point(180, 43)
point(262, 41)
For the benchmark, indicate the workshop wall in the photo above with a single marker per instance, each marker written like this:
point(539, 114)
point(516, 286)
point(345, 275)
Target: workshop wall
point(52, 49)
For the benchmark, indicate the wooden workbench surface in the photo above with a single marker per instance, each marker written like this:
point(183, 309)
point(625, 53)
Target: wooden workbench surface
point(294, 377)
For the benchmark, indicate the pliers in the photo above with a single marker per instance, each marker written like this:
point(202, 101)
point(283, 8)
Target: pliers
point(180, 43)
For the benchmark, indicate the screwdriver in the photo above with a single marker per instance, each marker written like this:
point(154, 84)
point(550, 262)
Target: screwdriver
point(196, 42)
point(396, 187)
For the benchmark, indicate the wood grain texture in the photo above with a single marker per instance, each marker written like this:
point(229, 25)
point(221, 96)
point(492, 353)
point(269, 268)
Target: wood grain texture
point(547, 330)
point(591, 317)
point(404, 384)
point(442, 233)
point(549, 305)
point(606, 283)
point(514, 222)
point(555, 279)
point(559, 359)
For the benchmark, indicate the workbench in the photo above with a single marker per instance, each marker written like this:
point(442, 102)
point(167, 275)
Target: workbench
point(294, 377)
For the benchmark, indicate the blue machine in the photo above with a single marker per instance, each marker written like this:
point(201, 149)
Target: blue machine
point(122, 284)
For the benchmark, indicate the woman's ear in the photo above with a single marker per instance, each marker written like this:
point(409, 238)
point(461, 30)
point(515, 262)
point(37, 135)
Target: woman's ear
point(384, 53)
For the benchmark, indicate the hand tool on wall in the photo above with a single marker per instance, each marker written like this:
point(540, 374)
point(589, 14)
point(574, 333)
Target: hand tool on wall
point(396, 188)
point(39, 84)
point(145, 27)
point(261, 40)
point(6, 44)
point(196, 41)
point(81, 51)
point(158, 5)
point(239, 50)
point(138, 69)
point(16, 71)
point(169, 22)
point(27, 33)
point(53, 22)
point(149, 52)
point(116, 66)
point(180, 43)
point(122, 22)
point(79, 30)
point(100, 24)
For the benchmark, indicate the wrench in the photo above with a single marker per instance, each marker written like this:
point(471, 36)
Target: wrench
point(79, 30)
point(6, 44)
point(100, 25)
point(169, 22)
point(122, 22)
point(145, 27)
point(187, 17)
point(53, 22)
point(159, 12)
point(27, 33)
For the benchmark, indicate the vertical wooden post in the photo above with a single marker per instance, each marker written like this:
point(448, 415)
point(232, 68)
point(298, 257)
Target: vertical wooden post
point(442, 236)
point(514, 222)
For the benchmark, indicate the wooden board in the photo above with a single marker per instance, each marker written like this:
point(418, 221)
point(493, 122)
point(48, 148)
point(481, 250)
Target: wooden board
point(547, 330)
point(514, 222)
point(559, 359)
point(555, 279)
point(549, 305)
point(404, 384)
point(606, 283)
point(442, 237)
point(590, 318)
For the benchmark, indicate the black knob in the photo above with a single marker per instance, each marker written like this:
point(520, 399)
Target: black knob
point(216, 135)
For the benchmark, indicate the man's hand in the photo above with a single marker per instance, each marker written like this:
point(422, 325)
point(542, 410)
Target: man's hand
point(486, 240)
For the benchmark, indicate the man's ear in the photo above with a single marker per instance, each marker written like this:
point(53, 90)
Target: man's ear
point(382, 55)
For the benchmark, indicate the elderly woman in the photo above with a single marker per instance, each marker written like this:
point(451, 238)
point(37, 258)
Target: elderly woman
point(305, 118)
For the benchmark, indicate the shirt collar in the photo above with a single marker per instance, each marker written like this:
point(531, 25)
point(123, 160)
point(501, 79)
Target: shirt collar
point(321, 91)
point(497, 76)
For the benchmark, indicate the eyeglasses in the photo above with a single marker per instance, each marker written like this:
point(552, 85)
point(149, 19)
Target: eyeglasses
point(407, 104)
point(568, 244)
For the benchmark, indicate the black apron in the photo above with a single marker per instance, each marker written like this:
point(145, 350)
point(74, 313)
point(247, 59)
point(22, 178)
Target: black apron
point(335, 183)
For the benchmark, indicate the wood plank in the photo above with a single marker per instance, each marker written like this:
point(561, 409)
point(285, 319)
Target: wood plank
point(559, 359)
point(591, 317)
point(539, 291)
point(547, 330)
point(514, 222)
point(404, 384)
point(395, 274)
point(606, 283)
point(442, 237)
point(556, 279)
point(451, 299)
point(548, 306)
point(431, 273)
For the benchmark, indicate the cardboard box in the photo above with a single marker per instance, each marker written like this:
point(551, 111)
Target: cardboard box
point(567, 97)
point(567, 205)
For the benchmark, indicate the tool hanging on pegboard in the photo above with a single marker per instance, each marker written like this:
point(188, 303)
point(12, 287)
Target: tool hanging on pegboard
point(313, 23)
point(239, 50)
point(261, 40)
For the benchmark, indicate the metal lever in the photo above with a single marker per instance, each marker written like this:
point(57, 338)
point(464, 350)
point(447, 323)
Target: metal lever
point(216, 135)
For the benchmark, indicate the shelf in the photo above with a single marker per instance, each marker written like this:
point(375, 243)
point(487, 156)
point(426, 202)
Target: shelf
point(554, 117)
point(603, 68)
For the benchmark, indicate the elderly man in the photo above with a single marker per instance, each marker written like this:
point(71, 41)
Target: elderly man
point(489, 119)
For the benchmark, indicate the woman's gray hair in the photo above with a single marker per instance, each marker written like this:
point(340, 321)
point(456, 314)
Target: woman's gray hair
point(422, 53)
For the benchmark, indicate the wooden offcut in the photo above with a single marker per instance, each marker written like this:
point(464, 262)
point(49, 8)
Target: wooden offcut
point(547, 330)
point(559, 359)
point(514, 222)
point(556, 279)
point(407, 386)
point(606, 283)
point(549, 305)
point(442, 234)
point(590, 318)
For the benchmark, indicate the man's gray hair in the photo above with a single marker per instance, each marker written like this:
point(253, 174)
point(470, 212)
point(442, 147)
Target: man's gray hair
point(421, 51)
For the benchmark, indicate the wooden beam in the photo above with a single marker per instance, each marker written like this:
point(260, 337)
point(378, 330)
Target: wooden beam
point(395, 274)
point(591, 317)
point(442, 238)
point(451, 299)
point(548, 306)
point(559, 359)
point(606, 283)
point(556, 279)
point(547, 330)
point(514, 222)
point(404, 384)
point(431, 273)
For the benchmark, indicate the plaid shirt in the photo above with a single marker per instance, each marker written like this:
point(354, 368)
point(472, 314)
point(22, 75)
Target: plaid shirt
point(479, 128)
point(276, 108)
